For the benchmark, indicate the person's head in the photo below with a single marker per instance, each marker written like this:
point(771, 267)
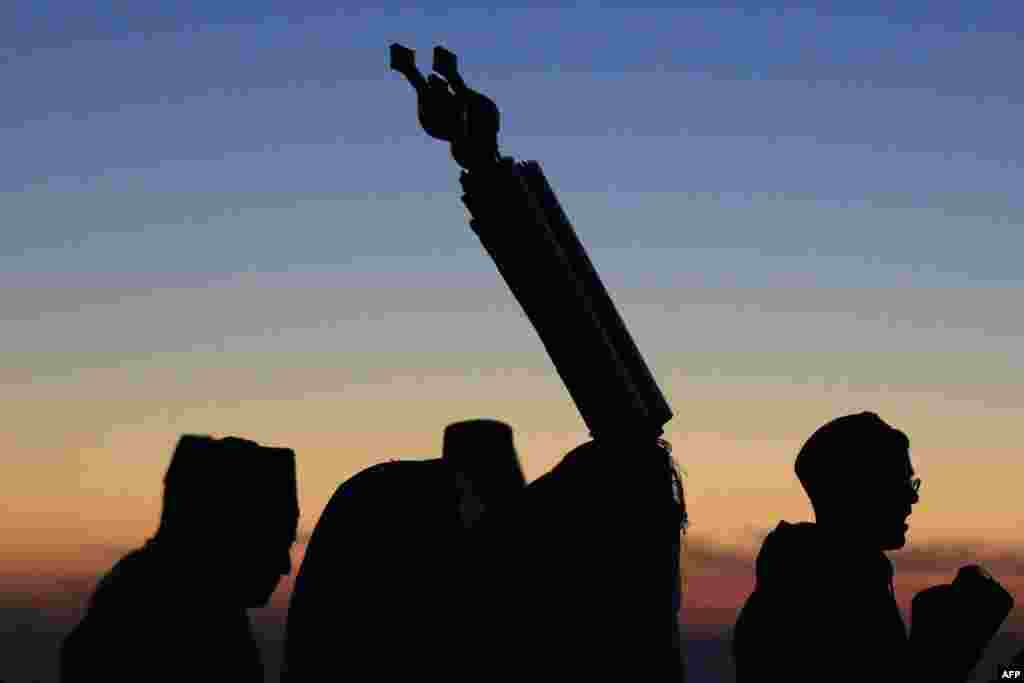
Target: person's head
point(483, 452)
point(232, 505)
point(856, 470)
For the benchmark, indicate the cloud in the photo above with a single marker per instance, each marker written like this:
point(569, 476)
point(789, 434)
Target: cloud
point(706, 553)
point(944, 557)
point(703, 553)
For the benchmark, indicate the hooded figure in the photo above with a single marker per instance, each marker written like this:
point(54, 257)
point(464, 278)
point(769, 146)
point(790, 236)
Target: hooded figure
point(175, 609)
point(816, 598)
point(386, 585)
point(823, 599)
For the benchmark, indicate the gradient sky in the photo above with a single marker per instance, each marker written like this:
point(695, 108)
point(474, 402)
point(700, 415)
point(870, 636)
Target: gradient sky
point(225, 218)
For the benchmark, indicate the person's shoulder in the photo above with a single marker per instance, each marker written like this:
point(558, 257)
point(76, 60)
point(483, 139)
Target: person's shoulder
point(791, 554)
point(126, 580)
point(602, 469)
point(382, 487)
point(392, 474)
point(130, 599)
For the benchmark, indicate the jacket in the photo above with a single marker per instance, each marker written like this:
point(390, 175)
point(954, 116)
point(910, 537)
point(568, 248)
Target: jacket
point(819, 607)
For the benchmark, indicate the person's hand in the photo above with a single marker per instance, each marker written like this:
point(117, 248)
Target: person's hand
point(953, 623)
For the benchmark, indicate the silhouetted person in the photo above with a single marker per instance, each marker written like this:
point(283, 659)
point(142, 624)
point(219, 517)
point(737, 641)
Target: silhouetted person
point(824, 602)
point(384, 590)
point(175, 609)
point(585, 571)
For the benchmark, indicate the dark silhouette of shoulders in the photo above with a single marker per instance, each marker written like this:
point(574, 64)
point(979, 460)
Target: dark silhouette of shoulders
point(591, 562)
point(817, 601)
point(146, 621)
point(175, 609)
point(374, 592)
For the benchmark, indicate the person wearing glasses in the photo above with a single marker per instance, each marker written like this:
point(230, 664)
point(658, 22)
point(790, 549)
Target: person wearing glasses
point(823, 600)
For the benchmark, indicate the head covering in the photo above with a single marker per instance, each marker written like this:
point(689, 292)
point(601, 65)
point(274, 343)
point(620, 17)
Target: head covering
point(484, 451)
point(229, 482)
point(462, 440)
point(851, 448)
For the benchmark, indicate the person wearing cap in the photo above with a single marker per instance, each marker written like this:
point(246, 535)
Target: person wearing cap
point(175, 609)
point(824, 600)
point(387, 585)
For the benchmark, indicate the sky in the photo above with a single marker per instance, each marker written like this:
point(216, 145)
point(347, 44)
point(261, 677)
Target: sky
point(224, 218)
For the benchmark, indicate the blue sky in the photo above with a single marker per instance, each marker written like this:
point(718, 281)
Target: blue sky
point(694, 119)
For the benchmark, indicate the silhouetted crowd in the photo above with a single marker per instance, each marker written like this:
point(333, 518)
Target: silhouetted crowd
point(456, 569)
